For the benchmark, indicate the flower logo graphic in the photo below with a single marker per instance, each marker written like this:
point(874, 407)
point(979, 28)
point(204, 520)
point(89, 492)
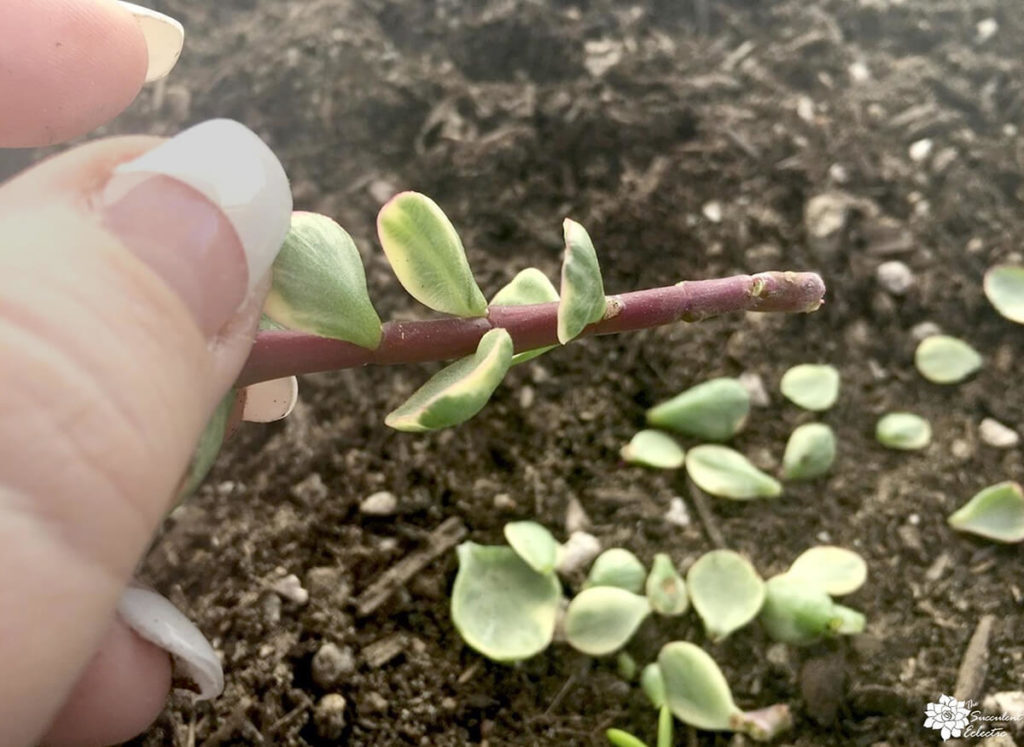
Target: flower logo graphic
point(948, 716)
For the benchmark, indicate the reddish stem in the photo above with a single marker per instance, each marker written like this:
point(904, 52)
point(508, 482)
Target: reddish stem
point(278, 354)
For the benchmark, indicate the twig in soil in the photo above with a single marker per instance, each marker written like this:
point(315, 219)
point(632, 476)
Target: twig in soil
point(570, 683)
point(289, 717)
point(707, 518)
point(970, 678)
point(277, 354)
point(447, 534)
point(379, 653)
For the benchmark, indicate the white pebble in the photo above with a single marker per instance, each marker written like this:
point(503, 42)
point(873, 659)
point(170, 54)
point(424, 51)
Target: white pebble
point(995, 434)
point(986, 28)
point(754, 384)
point(383, 503)
point(925, 329)
point(895, 277)
point(677, 515)
point(1009, 703)
point(712, 211)
point(859, 72)
point(290, 588)
point(920, 149)
point(578, 552)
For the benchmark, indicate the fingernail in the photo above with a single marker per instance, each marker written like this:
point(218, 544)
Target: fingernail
point(154, 618)
point(165, 37)
point(208, 210)
point(268, 401)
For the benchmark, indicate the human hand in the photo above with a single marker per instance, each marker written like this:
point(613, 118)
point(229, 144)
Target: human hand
point(131, 278)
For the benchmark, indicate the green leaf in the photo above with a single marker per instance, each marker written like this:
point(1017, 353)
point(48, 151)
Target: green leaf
point(997, 512)
point(810, 451)
point(799, 613)
point(319, 285)
point(602, 619)
point(501, 607)
point(665, 588)
point(625, 665)
point(725, 590)
point(726, 473)
point(427, 256)
point(904, 431)
point(1004, 288)
point(530, 286)
point(210, 441)
point(654, 449)
point(695, 689)
point(458, 392)
point(617, 567)
point(533, 543)
point(834, 570)
point(946, 360)
point(715, 410)
point(621, 738)
point(665, 727)
point(811, 386)
point(582, 299)
point(653, 684)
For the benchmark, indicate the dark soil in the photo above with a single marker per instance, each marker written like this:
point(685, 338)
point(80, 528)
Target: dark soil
point(631, 118)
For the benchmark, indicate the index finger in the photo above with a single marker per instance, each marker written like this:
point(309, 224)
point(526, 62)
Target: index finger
point(67, 66)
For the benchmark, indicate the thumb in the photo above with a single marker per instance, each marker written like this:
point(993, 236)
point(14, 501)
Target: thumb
point(130, 277)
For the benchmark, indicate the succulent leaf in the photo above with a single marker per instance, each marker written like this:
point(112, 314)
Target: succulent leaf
point(1004, 288)
point(582, 299)
point(601, 620)
point(695, 689)
point(810, 451)
point(904, 431)
point(530, 286)
point(811, 386)
point(726, 473)
point(654, 449)
point(725, 590)
point(946, 360)
point(996, 512)
point(715, 410)
point(533, 543)
point(617, 567)
point(834, 570)
point(665, 588)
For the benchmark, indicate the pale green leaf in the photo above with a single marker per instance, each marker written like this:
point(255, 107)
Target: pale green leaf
point(582, 299)
point(533, 543)
point(1004, 288)
point(666, 727)
point(210, 441)
point(834, 570)
point(811, 386)
point(799, 613)
point(725, 590)
point(653, 684)
point(617, 567)
point(530, 286)
point(654, 449)
point(620, 738)
point(715, 410)
point(904, 431)
point(997, 512)
point(319, 285)
point(501, 607)
point(810, 451)
point(665, 588)
point(695, 689)
point(602, 619)
point(427, 256)
point(726, 473)
point(946, 360)
point(459, 391)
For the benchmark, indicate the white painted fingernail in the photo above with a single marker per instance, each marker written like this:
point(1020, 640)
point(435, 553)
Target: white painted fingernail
point(268, 401)
point(227, 163)
point(161, 623)
point(165, 37)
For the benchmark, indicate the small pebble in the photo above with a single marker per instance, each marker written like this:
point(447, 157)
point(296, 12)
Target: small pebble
point(578, 552)
point(270, 604)
point(754, 384)
point(712, 211)
point(961, 449)
point(328, 584)
point(997, 435)
point(677, 515)
point(382, 503)
point(920, 149)
point(331, 664)
point(504, 502)
point(373, 702)
point(859, 72)
point(576, 519)
point(986, 29)
point(924, 329)
point(895, 277)
point(291, 589)
point(329, 716)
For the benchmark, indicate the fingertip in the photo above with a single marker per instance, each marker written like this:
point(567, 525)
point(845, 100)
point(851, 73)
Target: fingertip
point(121, 692)
point(69, 66)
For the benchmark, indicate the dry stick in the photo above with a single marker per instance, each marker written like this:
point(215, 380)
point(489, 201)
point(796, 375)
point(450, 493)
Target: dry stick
point(707, 518)
point(277, 354)
point(447, 534)
point(970, 677)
